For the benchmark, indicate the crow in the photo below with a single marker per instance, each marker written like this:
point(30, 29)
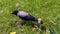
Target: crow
point(26, 16)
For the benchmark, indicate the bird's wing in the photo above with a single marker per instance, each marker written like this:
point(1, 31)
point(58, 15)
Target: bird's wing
point(29, 17)
point(32, 18)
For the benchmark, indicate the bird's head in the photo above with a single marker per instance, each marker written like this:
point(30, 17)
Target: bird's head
point(15, 12)
point(40, 21)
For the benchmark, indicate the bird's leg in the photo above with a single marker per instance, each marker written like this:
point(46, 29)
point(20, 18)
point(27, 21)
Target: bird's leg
point(23, 22)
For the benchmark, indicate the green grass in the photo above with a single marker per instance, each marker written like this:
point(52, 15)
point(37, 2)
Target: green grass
point(48, 10)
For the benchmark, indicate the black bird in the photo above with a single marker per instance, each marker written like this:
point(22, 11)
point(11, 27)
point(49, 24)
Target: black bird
point(26, 16)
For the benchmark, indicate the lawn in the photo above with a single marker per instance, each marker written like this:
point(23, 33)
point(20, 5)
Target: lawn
point(48, 10)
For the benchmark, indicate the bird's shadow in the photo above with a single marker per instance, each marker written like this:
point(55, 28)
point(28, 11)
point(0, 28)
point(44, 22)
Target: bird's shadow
point(32, 24)
point(27, 23)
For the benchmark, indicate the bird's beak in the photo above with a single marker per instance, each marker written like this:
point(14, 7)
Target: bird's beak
point(11, 13)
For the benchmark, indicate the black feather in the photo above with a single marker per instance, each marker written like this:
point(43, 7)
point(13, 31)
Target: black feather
point(28, 18)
